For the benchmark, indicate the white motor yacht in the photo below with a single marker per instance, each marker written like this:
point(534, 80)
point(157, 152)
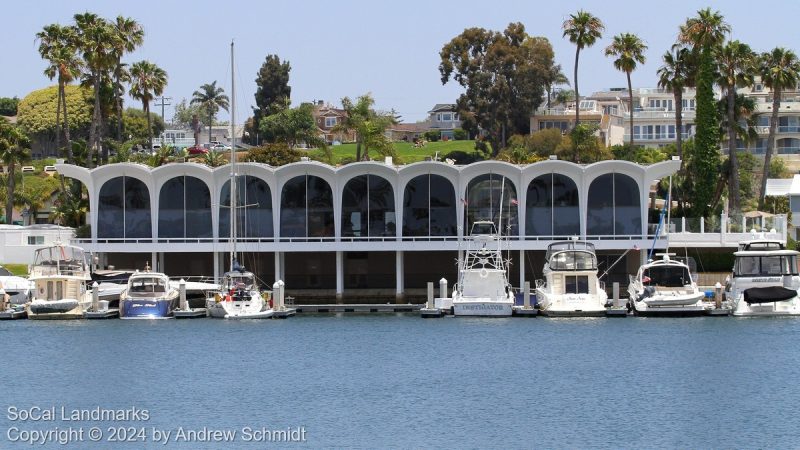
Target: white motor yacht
point(571, 286)
point(665, 287)
point(765, 280)
point(482, 288)
point(60, 275)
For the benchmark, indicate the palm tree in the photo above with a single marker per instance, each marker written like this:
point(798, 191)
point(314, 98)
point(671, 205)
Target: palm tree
point(779, 70)
point(147, 80)
point(736, 67)
point(210, 98)
point(629, 50)
point(55, 46)
point(354, 117)
point(554, 76)
point(13, 150)
point(583, 29)
point(129, 35)
point(705, 31)
point(96, 40)
point(676, 74)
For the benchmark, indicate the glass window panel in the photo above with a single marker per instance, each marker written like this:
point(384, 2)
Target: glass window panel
point(566, 215)
point(442, 207)
point(170, 209)
point(293, 207)
point(110, 219)
point(198, 208)
point(137, 209)
point(628, 214)
point(381, 207)
point(354, 207)
point(600, 206)
point(320, 208)
point(539, 207)
point(416, 214)
point(483, 196)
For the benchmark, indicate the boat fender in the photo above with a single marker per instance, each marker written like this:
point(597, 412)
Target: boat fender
point(484, 273)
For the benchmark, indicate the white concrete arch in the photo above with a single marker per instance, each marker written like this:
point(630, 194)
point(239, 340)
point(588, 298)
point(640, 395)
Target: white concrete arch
point(163, 174)
point(264, 172)
point(532, 171)
point(407, 173)
point(84, 175)
point(285, 173)
point(508, 170)
point(141, 172)
point(346, 173)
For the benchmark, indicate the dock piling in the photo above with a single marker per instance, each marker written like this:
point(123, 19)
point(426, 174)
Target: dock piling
point(526, 295)
point(430, 295)
point(182, 288)
point(95, 297)
point(615, 294)
point(718, 295)
point(443, 288)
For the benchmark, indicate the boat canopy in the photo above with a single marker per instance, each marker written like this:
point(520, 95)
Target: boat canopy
point(573, 260)
point(146, 283)
point(483, 227)
point(761, 244)
point(666, 275)
point(65, 259)
point(755, 264)
point(568, 245)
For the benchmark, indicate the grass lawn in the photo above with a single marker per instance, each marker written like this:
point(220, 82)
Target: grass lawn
point(405, 151)
point(20, 270)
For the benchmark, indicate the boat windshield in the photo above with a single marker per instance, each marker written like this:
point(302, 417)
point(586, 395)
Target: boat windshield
point(479, 228)
point(751, 266)
point(147, 285)
point(244, 280)
point(666, 276)
point(762, 245)
point(573, 260)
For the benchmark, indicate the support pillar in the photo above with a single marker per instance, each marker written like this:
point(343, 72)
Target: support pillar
point(521, 268)
point(283, 267)
point(339, 277)
point(278, 266)
point(399, 295)
point(161, 266)
point(153, 261)
point(216, 267)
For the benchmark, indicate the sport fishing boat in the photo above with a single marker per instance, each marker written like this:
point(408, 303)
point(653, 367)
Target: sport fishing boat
point(148, 295)
point(238, 296)
point(765, 280)
point(483, 288)
point(665, 287)
point(571, 286)
point(60, 275)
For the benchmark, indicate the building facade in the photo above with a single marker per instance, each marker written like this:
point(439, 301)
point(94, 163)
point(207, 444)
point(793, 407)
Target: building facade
point(365, 225)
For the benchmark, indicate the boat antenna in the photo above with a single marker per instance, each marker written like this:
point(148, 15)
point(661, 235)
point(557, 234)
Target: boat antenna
point(234, 190)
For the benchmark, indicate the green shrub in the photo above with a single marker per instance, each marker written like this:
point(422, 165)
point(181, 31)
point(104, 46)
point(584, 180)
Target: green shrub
point(277, 154)
point(83, 231)
point(432, 135)
point(459, 134)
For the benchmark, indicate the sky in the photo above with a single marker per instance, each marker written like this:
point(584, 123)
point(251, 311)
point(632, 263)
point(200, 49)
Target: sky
point(348, 48)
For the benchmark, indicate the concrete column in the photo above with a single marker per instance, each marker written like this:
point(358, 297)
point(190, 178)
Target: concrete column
point(283, 266)
point(278, 266)
point(399, 271)
point(161, 265)
point(339, 277)
point(216, 267)
point(153, 260)
point(526, 294)
point(521, 268)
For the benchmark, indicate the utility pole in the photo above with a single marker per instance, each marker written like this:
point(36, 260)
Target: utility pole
point(163, 104)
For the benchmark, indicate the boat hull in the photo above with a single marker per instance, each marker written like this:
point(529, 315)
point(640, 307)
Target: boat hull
point(789, 307)
point(146, 308)
point(234, 310)
point(479, 308)
point(571, 305)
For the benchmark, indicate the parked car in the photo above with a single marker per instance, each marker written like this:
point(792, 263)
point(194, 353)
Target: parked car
point(28, 169)
point(220, 147)
point(196, 150)
point(50, 170)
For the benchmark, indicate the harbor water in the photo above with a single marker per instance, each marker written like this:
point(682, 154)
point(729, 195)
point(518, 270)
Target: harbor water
point(400, 381)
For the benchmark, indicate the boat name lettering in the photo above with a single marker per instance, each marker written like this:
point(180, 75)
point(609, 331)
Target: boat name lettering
point(766, 280)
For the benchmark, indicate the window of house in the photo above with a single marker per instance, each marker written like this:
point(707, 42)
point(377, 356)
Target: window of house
point(330, 122)
point(688, 103)
point(447, 117)
point(455, 116)
point(35, 240)
point(758, 87)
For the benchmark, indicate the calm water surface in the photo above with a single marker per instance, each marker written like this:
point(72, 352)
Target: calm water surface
point(401, 381)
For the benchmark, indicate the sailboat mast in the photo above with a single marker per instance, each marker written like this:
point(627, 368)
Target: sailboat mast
point(234, 190)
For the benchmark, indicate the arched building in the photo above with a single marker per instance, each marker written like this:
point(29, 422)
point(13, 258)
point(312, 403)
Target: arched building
point(364, 229)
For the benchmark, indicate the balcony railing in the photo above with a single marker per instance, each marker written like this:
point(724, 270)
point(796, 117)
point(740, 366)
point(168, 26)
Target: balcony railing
point(656, 137)
point(788, 150)
point(787, 129)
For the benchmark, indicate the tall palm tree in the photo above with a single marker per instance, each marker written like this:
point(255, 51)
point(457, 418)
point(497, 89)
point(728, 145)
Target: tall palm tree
point(129, 35)
point(147, 81)
point(13, 150)
point(676, 74)
point(583, 29)
point(210, 98)
point(554, 76)
point(96, 40)
point(779, 70)
point(629, 50)
point(736, 67)
point(55, 46)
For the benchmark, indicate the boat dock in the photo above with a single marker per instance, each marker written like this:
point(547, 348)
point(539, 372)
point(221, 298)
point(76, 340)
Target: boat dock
point(358, 308)
point(13, 314)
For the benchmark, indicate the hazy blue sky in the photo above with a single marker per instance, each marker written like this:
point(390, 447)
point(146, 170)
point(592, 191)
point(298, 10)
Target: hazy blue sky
point(346, 48)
